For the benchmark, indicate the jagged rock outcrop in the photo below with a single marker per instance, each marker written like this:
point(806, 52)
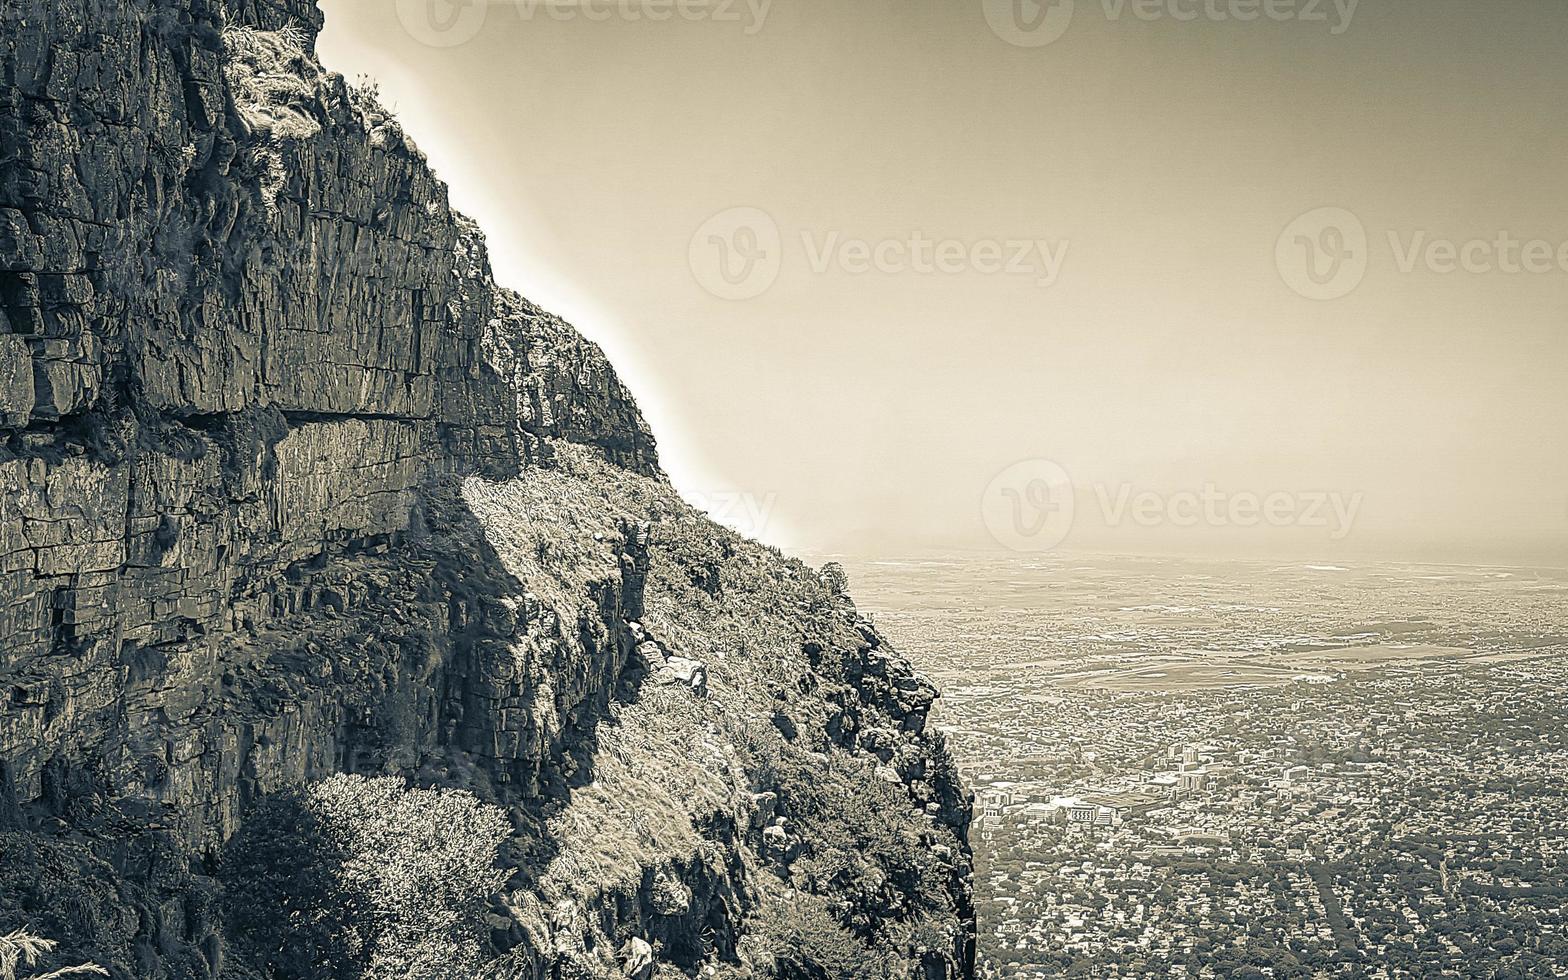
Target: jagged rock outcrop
point(289, 487)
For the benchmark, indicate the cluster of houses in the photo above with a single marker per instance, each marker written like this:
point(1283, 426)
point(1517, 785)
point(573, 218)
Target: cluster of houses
point(1190, 769)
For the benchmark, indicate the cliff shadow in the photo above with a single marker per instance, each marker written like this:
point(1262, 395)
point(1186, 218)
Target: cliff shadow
point(540, 649)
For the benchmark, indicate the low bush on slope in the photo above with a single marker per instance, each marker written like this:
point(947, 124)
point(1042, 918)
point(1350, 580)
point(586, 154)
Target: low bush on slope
point(364, 878)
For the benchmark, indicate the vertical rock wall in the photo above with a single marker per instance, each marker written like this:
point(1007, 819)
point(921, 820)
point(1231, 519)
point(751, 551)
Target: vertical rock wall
point(240, 328)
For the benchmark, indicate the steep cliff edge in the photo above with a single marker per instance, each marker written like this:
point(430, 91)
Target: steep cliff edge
point(289, 487)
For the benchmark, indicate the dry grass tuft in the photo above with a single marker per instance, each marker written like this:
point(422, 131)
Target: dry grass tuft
point(275, 84)
point(21, 948)
point(274, 80)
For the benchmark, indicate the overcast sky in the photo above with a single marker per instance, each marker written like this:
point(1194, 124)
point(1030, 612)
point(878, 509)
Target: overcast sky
point(885, 275)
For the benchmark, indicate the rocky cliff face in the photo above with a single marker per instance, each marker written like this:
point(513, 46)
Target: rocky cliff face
point(290, 487)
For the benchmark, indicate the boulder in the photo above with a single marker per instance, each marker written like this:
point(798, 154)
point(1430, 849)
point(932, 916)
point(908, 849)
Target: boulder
point(637, 959)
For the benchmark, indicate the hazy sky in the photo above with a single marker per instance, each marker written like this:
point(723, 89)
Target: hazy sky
point(1082, 260)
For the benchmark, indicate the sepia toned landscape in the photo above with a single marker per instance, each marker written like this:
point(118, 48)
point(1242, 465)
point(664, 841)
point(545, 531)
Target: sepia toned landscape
point(740, 490)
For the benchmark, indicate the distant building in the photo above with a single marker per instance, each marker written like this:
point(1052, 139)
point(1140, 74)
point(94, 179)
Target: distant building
point(1194, 781)
point(1081, 812)
point(1039, 813)
point(1110, 807)
point(1196, 838)
point(995, 801)
point(1221, 775)
point(1164, 784)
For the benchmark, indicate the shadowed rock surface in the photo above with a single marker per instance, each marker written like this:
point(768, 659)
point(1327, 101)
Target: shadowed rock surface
point(289, 487)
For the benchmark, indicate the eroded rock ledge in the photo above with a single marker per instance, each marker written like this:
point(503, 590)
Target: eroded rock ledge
point(290, 487)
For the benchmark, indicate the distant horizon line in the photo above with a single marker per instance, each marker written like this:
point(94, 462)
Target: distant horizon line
point(1327, 563)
